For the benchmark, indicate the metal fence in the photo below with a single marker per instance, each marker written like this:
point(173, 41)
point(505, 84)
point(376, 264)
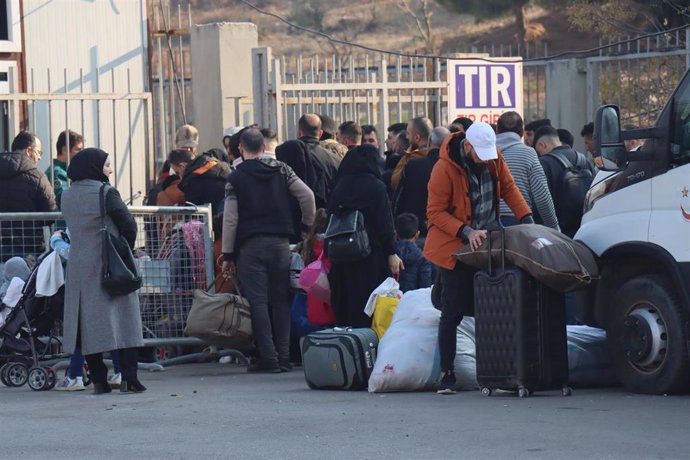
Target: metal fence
point(639, 76)
point(174, 249)
point(170, 71)
point(379, 89)
point(116, 120)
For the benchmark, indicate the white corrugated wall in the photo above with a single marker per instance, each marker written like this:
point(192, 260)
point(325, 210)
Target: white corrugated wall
point(90, 46)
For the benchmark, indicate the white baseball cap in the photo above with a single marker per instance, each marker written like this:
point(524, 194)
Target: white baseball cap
point(483, 139)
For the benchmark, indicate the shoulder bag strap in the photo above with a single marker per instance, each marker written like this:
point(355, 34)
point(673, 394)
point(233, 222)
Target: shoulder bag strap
point(562, 159)
point(104, 257)
point(580, 161)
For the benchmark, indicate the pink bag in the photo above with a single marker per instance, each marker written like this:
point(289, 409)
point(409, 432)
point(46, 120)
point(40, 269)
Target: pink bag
point(319, 313)
point(314, 279)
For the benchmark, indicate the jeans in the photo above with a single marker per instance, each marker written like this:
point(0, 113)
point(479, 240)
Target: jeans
point(263, 268)
point(457, 300)
point(76, 365)
point(115, 356)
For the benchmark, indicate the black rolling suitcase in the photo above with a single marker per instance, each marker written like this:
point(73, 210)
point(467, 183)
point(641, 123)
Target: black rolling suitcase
point(520, 332)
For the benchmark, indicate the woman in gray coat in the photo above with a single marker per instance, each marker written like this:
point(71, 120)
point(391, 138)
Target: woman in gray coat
point(94, 320)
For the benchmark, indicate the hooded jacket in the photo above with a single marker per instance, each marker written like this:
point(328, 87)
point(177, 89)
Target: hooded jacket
point(24, 187)
point(204, 182)
point(449, 209)
point(418, 272)
point(316, 166)
point(258, 203)
point(170, 193)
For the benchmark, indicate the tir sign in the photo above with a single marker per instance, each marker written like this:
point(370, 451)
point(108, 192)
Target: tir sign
point(482, 91)
point(485, 86)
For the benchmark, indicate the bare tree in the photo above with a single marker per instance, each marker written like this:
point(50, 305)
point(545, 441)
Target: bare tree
point(331, 30)
point(616, 18)
point(419, 12)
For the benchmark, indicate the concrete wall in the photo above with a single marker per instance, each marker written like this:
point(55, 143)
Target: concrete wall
point(222, 78)
point(567, 96)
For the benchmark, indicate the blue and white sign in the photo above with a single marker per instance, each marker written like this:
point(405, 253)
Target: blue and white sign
point(482, 90)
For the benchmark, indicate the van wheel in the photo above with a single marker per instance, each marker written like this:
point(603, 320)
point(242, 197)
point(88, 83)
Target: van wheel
point(648, 338)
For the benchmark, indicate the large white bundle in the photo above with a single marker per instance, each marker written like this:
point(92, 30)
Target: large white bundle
point(589, 359)
point(466, 356)
point(408, 357)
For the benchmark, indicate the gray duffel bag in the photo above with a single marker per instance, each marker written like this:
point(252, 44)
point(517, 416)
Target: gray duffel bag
point(548, 255)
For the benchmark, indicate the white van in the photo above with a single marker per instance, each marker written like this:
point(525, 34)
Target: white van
point(637, 221)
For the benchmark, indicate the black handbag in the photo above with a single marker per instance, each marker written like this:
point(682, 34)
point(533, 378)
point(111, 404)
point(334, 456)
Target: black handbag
point(120, 274)
point(346, 237)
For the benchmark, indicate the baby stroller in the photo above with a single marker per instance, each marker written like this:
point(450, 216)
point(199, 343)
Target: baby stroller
point(31, 318)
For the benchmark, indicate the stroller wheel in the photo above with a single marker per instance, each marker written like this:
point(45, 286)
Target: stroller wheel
point(38, 379)
point(52, 378)
point(3, 374)
point(17, 374)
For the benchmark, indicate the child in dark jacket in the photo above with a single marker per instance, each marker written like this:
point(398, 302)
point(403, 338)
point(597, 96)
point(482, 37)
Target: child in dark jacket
point(418, 272)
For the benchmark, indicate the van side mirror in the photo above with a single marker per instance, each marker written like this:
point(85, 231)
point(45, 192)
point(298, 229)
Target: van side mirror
point(608, 141)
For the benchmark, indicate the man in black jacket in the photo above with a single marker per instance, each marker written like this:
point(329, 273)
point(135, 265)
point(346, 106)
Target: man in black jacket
point(411, 194)
point(557, 160)
point(257, 224)
point(24, 189)
point(313, 164)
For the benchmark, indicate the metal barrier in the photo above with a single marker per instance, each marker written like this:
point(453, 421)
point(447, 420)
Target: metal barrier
point(174, 249)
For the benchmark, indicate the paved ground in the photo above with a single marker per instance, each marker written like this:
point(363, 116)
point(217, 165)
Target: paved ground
point(219, 411)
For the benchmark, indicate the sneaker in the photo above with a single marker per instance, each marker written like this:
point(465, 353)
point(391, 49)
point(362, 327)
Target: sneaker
point(447, 384)
point(67, 384)
point(115, 380)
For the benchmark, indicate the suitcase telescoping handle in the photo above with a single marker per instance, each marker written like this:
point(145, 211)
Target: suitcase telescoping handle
point(501, 229)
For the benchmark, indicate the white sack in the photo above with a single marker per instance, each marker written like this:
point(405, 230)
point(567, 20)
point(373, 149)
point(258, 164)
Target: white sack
point(408, 357)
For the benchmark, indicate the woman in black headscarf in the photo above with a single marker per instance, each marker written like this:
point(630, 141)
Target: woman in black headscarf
point(359, 187)
point(94, 320)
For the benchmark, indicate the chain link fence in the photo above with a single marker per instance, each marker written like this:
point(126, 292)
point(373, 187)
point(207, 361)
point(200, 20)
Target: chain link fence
point(174, 253)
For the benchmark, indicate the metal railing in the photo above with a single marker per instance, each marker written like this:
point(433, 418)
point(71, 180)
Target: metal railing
point(174, 249)
point(379, 90)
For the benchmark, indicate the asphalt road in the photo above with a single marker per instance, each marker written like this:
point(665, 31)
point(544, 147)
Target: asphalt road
point(219, 411)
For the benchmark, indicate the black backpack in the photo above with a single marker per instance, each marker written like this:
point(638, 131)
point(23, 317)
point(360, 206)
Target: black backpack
point(346, 238)
point(571, 191)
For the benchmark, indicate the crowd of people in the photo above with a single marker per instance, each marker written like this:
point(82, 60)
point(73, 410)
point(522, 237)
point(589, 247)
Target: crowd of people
point(427, 192)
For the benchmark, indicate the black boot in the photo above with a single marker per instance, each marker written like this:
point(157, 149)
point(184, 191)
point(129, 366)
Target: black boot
point(130, 381)
point(131, 386)
point(99, 373)
point(101, 388)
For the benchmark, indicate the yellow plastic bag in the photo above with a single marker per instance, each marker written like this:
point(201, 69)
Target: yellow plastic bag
point(383, 314)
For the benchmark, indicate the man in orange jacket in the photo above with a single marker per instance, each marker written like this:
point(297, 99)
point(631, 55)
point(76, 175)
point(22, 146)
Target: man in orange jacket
point(464, 191)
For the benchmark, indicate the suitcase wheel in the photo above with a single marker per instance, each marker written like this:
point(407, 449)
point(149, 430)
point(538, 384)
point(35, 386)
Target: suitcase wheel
point(567, 391)
point(486, 391)
point(523, 392)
